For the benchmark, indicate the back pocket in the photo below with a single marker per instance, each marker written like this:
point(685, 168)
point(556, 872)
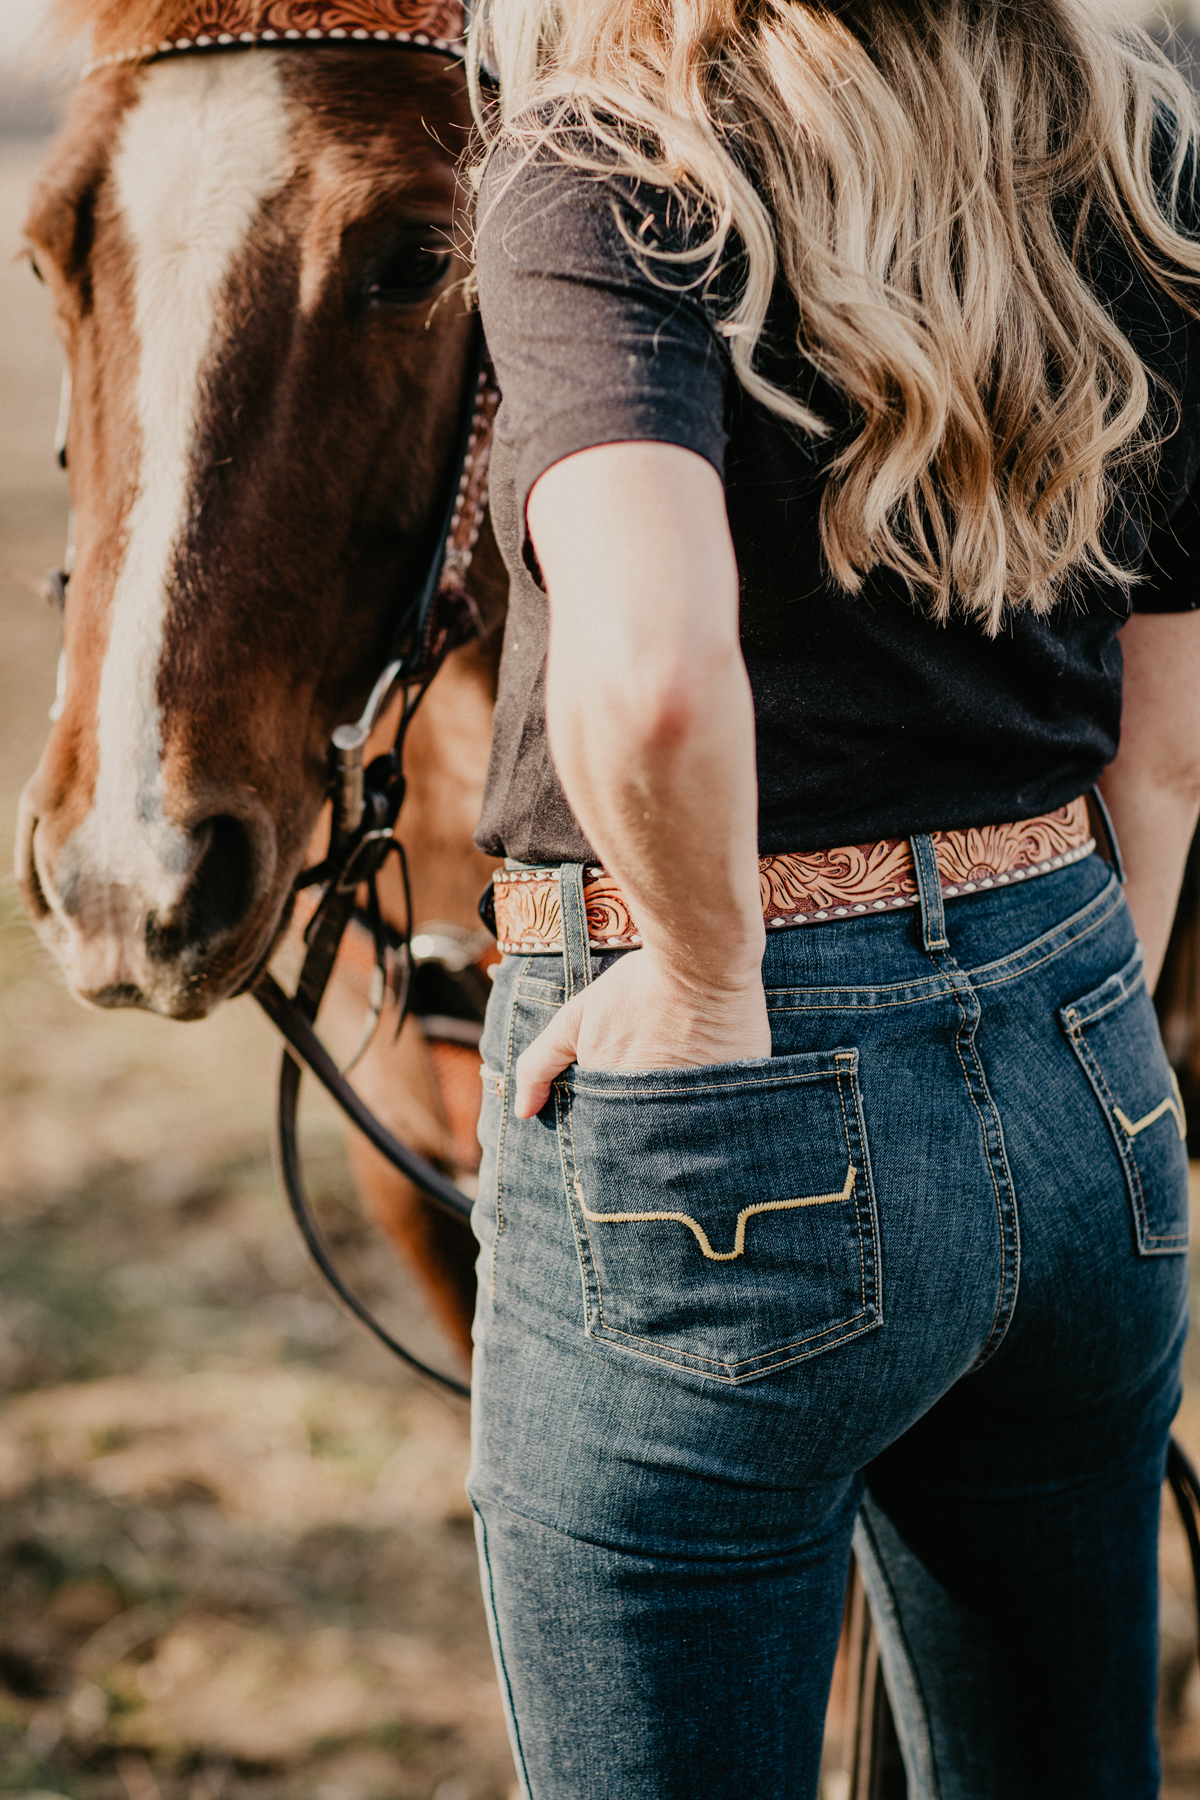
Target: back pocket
point(1114, 1033)
point(724, 1215)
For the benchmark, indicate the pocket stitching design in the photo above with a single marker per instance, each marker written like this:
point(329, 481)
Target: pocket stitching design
point(1134, 1174)
point(1075, 1021)
point(694, 1225)
point(1172, 1104)
point(689, 1359)
point(1130, 1161)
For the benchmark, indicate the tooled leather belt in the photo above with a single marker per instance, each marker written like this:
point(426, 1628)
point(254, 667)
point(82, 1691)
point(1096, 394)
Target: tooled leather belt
point(810, 888)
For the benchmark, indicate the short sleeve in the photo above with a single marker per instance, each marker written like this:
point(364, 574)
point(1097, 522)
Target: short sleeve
point(592, 340)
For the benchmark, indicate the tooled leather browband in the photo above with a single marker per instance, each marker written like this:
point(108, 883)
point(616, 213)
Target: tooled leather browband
point(246, 24)
point(812, 888)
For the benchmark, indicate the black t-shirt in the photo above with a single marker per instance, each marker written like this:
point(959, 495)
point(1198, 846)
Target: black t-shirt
point(872, 720)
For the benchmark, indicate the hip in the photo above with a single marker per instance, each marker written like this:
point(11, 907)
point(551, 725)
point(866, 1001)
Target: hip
point(942, 1150)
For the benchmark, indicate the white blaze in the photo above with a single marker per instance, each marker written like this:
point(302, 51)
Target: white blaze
point(201, 149)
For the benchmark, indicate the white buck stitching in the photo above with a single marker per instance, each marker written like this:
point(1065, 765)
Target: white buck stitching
point(747, 1212)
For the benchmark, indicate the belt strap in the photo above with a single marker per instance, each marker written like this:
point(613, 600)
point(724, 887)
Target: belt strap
point(810, 887)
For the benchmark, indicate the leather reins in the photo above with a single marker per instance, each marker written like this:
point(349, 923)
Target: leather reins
point(366, 806)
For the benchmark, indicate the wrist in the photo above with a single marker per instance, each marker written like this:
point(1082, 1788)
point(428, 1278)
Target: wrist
point(723, 971)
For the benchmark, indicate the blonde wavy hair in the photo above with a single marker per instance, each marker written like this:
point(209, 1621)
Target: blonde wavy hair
point(924, 174)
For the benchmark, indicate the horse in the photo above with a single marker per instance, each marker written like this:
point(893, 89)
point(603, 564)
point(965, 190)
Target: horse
point(253, 241)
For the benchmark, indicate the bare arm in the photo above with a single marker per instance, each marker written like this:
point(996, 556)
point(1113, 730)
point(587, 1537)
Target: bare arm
point(1153, 787)
point(651, 724)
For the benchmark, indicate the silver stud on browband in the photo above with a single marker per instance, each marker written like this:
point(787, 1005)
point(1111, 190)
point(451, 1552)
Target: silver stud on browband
point(226, 40)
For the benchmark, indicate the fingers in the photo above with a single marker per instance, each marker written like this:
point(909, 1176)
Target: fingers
point(549, 1054)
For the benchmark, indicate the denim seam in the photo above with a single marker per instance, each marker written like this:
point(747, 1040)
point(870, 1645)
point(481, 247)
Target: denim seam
point(1080, 923)
point(869, 1178)
point(1005, 1303)
point(512, 1707)
point(866, 1005)
point(863, 1524)
point(1012, 967)
point(1149, 1243)
point(983, 1354)
point(1133, 1174)
point(508, 1058)
point(570, 1181)
point(688, 1359)
point(1119, 998)
point(712, 1087)
point(1056, 939)
point(862, 1261)
point(856, 1005)
point(1067, 944)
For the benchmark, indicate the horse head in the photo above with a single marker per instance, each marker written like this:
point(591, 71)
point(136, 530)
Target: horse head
point(254, 263)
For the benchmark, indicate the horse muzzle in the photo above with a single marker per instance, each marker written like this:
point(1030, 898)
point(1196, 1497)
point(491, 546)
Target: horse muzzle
point(172, 919)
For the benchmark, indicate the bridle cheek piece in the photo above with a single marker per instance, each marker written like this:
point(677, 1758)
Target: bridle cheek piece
point(434, 619)
point(438, 618)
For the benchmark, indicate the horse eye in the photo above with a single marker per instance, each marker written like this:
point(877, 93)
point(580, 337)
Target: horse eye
point(410, 273)
point(34, 266)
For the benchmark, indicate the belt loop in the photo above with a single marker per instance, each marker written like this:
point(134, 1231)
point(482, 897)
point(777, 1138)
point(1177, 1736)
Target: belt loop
point(1096, 800)
point(577, 957)
point(929, 889)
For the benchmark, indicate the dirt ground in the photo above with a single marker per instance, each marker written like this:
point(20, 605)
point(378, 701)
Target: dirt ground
point(235, 1554)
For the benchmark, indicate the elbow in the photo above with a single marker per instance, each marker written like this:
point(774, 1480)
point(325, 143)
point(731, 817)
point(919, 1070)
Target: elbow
point(1179, 779)
point(1154, 783)
point(645, 709)
point(666, 705)
point(666, 721)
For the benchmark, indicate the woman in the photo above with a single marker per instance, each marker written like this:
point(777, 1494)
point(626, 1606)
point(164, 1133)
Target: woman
point(851, 405)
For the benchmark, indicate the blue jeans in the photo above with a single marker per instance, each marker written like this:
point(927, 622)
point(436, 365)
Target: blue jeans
point(923, 1268)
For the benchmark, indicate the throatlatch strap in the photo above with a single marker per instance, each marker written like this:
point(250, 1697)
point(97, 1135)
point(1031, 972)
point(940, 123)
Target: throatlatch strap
point(929, 894)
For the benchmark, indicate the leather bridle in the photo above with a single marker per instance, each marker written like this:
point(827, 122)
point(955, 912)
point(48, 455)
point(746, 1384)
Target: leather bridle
point(366, 806)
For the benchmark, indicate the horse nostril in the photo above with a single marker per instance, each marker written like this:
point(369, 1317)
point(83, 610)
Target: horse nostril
point(218, 896)
point(29, 879)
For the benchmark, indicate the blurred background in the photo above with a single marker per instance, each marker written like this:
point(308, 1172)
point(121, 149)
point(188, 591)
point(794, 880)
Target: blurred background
point(236, 1560)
